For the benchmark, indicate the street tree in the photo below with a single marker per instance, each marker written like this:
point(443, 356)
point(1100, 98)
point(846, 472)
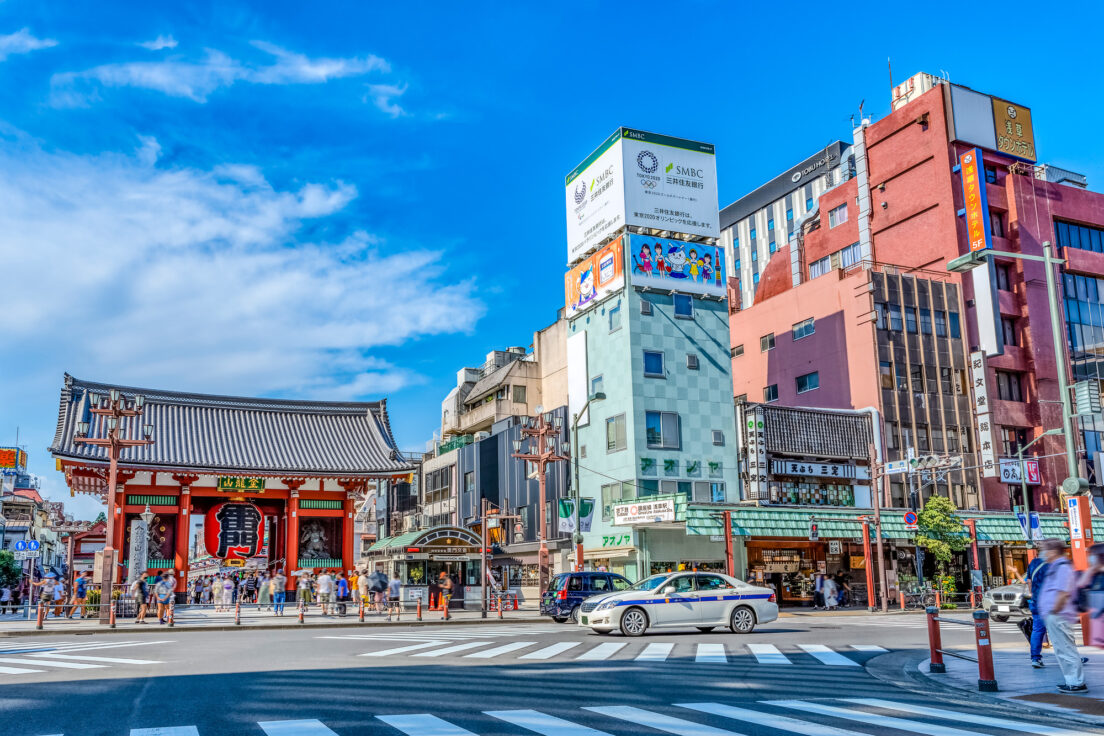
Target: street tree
point(940, 531)
point(10, 571)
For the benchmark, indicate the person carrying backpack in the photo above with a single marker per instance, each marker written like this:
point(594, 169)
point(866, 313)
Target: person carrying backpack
point(377, 583)
point(1036, 574)
point(1090, 597)
point(140, 593)
point(80, 595)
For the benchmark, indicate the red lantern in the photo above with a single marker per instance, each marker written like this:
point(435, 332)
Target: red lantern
point(233, 531)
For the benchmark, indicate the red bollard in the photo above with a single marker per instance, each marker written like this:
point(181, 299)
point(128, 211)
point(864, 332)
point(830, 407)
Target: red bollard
point(935, 643)
point(445, 607)
point(360, 613)
point(111, 616)
point(41, 615)
point(901, 598)
point(419, 609)
point(301, 612)
point(987, 678)
point(938, 602)
point(237, 613)
point(515, 602)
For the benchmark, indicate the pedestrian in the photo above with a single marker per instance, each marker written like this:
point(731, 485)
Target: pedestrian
point(363, 590)
point(264, 593)
point(446, 590)
point(830, 593)
point(325, 591)
point(7, 605)
point(1036, 574)
point(80, 595)
point(377, 583)
point(1057, 602)
point(205, 598)
point(818, 592)
point(279, 593)
point(251, 588)
point(197, 591)
point(164, 592)
point(229, 588)
point(342, 593)
point(46, 595)
point(140, 593)
point(1091, 586)
point(843, 589)
point(394, 591)
point(305, 589)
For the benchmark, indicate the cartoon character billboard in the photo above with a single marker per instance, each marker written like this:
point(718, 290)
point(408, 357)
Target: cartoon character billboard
point(690, 268)
point(595, 277)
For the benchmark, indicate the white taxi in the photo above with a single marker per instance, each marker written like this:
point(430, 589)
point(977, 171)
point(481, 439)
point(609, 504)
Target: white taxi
point(681, 600)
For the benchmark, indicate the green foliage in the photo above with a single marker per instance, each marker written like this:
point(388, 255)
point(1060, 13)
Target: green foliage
point(940, 531)
point(10, 570)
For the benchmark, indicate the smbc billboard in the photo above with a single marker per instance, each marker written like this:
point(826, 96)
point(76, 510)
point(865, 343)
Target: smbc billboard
point(645, 180)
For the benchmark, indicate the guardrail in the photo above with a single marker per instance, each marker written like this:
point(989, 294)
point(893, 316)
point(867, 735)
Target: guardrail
point(987, 680)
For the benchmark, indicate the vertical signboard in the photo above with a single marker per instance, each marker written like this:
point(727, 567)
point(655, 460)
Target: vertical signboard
point(1015, 136)
point(138, 555)
point(986, 449)
point(594, 278)
point(755, 458)
point(595, 196)
point(976, 200)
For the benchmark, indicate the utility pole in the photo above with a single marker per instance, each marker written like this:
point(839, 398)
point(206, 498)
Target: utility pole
point(542, 430)
point(877, 479)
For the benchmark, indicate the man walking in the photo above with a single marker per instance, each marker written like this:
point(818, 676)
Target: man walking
point(279, 593)
point(164, 592)
point(1036, 574)
point(6, 603)
point(1057, 604)
point(80, 595)
point(325, 591)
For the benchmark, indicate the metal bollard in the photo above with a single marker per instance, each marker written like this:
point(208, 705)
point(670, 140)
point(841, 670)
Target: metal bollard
point(901, 598)
point(172, 613)
point(935, 643)
point(360, 612)
point(111, 616)
point(237, 613)
point(499, 606)
point(938, 602)
point(987, 678)
point(419, 615)
point(41, 615)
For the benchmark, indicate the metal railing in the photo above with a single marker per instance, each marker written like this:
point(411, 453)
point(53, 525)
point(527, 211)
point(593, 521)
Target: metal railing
point(987, 680)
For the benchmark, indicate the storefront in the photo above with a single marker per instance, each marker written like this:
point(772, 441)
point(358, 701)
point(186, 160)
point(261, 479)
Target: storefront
point(423, 559)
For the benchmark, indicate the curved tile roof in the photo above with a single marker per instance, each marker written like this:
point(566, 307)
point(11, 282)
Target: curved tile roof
point(232, 433)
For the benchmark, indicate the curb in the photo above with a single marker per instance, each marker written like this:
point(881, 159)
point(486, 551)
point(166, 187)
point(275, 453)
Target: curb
point(901, 669)
point(270, 627)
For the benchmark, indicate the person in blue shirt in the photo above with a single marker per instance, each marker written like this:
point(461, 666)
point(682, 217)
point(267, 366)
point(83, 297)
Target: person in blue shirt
point(1036, 573)
point(80, 595)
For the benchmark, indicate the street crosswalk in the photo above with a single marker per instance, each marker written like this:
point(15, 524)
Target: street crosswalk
point(23, 658)
point(832, 717)
point(650, 652)
point(913, 622)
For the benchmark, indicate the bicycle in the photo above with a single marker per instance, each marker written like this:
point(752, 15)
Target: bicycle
point(919, 599)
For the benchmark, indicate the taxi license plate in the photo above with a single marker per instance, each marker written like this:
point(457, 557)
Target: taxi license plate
point(1004, 609)
point(584, 620)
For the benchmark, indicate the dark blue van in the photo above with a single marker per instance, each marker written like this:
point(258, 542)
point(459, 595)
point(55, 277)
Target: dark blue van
point(568, 589)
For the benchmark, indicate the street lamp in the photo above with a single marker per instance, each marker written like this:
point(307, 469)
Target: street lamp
point(540, 427)
point(578, 536)
point(1074, 484)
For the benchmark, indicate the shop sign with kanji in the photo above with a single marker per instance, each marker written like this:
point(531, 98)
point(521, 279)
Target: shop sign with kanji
point(239, 483)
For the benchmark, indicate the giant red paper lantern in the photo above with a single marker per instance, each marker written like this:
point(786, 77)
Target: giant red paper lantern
point(232, 531)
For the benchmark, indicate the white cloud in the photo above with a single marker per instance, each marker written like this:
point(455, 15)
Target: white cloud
point(383, 97)
point(161, 42)
point(197, 79)
point(192, 279)
point(22, 42)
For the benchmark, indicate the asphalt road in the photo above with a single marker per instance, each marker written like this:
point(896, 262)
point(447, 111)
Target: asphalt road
point(797, 675)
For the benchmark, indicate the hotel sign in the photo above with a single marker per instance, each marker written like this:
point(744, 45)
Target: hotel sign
point(244, 485)
point(976, 200)
point(1015, 135)
point(13, 460)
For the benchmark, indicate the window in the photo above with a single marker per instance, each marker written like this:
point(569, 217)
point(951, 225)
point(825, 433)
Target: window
point(1004, 276)
point(803, 329)
point(770, 223)
point(996, 223)
point(940, 323)
point(753, 233)
point(1082, 237)
point(893, 439)
point(808, 204)
point(902, 379)
point(772, 246)
point(684, 306)
point(718, 438)
point(519, 394)
point(613, 494)
point(1009, 331)
point(956, 330)
point(808, 382)
point(837, 215)
point(615, 434)
point(770, 393)
point(741, 399)
point(766, 342)
point(922, 443)
point(991, 174)
point(1012, 439)
point(820, 267)
point(469, 481)
point(885, 368)
point(910, 320)
point(946, 383)
point(1009, 386)
point(653, 364)
point(850, 255)
point(755, 279)
point(645, 488)
point(916, 375)
point(736, 271)
point(736, 351)
point(662, 428)
point(691, 362)
point(894, 317)
point(615, 318)
point(960, 381)
point(937, 439)
point(789, 215)
point(925, 321)
point(952, 439)
point(596, 385)
point(880, 315)
point(754, 258)
point(646, 306)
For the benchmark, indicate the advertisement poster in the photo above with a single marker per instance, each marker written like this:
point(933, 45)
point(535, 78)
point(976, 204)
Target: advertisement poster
point(976, 200)
point(644, 512)
point(689, 268)
point(595, 196)
point(595, 278)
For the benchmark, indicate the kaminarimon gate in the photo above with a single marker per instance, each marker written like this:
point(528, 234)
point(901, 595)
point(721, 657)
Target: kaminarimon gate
point(231, 481)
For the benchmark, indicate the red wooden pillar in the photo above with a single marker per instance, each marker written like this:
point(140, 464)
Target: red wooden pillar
point(183, 532)
point(353, 491)
point(291, 561)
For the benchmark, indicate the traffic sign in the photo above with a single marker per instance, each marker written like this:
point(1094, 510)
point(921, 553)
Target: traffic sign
point(26, 544)
point(26, 554)
point(896, 467)
point(910, 520)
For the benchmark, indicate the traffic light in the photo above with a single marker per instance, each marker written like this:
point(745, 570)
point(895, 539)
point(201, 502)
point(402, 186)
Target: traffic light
point(814, 532)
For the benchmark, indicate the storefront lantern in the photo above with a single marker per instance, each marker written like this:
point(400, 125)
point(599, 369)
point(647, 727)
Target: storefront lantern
point(232, 531)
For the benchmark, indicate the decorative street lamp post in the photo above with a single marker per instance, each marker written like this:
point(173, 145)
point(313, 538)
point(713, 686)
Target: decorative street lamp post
point(113, 411)
point(544, 429)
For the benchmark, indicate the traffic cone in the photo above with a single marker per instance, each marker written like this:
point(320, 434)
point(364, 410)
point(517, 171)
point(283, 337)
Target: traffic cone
point(515, 602)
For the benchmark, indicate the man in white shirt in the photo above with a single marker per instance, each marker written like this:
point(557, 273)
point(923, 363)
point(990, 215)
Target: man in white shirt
point(325, 585)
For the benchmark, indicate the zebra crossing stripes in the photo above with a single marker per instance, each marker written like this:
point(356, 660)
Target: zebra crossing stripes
point(403, 650)
point(874, 719)
point(544, 724)
point(171, 731)
point(868, 648)
point(659, 721)
point(770, 720)
point(711, 654)
point(24, 660)
point(768, 654)
point(827, 656)
point(308, 727)
point(424, 724)
point(504, 649)
point(923, 710)
point(655, 652)
point(602, 651)
point(450, 650)
point(552, 650)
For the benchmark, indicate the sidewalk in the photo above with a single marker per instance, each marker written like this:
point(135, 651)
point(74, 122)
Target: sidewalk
point(251, 618)
point(1020, 683)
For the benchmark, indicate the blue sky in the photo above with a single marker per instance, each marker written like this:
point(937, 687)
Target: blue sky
point(348, 201)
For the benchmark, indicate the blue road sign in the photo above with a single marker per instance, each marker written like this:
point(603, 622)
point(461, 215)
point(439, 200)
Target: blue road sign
point(20, 545)
point(32, 544)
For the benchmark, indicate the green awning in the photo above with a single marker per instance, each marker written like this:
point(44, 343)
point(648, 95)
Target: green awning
point(401, 540)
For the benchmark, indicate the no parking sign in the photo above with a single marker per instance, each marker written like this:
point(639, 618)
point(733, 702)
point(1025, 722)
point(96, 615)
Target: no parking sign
point(910, 520)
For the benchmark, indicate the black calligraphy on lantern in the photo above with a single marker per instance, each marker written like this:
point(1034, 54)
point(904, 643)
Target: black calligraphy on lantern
point(239, 530)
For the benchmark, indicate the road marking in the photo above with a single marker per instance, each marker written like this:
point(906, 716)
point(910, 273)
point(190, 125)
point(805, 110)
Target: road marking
point(902, 724)
point(660, 722)
point(827, 656)
point(955, 715)
point(602, 651)
point(551, 651)
point(868, 648)
point(655, 652)
point(512, 646)
point(169, 731)
point(90, 658)
point(449, 650)
point(400, 650)
point(711, 654)
point(770, 720)
point(768, 654)
point(308, 727)
point(543, 723)
point(40, 663)
point(423, 724)
point(113, 645)
point(16, 671)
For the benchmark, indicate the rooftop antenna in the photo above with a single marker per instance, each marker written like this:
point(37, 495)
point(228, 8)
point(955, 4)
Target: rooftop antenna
point(889, 65)
point(861, 103)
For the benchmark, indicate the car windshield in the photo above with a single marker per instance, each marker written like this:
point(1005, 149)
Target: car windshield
point(650, 583)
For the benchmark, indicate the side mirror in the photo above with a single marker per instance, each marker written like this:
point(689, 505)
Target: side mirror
point(669, 590)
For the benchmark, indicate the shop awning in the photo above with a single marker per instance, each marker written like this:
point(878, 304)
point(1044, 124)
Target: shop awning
point(842, 523)
point(438, 538)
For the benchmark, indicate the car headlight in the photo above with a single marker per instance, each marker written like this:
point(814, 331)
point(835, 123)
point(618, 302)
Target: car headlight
point(605, 605)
